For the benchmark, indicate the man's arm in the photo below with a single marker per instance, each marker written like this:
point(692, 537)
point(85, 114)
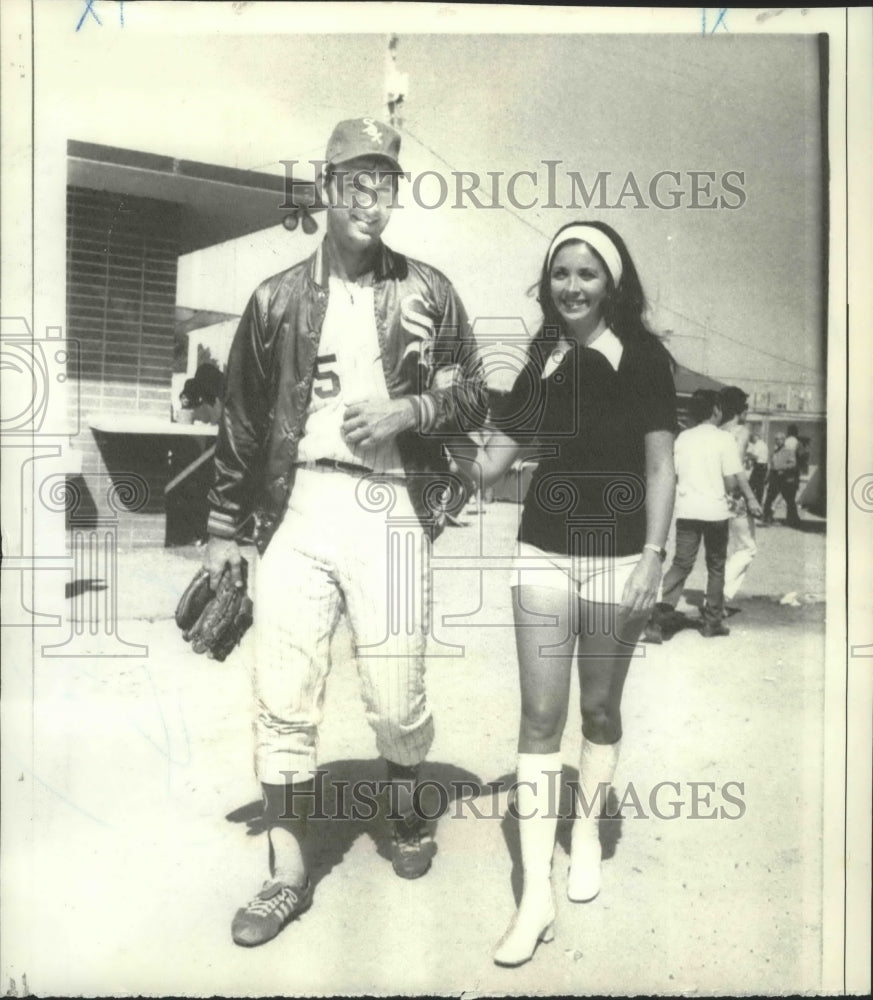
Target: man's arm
point(374, 421)
point(742, 485)
point(455, 397)
point(480, 466)
point(736, 480)
point(239, 443)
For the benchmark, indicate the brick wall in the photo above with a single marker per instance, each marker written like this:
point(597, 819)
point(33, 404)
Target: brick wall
point(121, 296)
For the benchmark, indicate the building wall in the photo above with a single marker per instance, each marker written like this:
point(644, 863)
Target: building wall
point(121, 296)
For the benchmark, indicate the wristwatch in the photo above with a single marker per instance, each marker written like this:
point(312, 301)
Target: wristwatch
point(662, 553)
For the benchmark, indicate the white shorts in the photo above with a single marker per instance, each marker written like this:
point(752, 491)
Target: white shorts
point(598, 580)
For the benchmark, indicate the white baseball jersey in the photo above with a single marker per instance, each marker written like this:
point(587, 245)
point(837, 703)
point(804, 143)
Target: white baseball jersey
point(348, 370)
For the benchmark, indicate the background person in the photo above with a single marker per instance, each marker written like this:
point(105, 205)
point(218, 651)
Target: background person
point(742, 547)
point(200, 398)
point(189, 399)
point(784, 481)
point(707, 466)
point(210, 386)
point(758, 457)
point(791, 438)
point(597, 393)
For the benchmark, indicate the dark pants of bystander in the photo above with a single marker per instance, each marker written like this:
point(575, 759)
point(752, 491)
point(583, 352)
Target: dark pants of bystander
point(784, 483)
point(758, 480)
point(688, 537)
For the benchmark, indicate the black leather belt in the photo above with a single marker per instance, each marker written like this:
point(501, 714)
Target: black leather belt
point(336, 465)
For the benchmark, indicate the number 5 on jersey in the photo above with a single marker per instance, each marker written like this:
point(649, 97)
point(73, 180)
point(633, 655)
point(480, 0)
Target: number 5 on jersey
point(327, 383)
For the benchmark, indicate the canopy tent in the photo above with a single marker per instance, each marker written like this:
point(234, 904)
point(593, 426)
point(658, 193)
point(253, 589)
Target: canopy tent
point(688, 382)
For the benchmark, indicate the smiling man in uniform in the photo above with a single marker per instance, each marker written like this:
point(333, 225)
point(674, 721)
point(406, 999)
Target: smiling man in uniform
point(347, 375)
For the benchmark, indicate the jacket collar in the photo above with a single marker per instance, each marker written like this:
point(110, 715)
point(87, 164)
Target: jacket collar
point(388, 264)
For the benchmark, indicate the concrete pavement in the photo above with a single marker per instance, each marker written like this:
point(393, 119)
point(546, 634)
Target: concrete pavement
point(145, 832)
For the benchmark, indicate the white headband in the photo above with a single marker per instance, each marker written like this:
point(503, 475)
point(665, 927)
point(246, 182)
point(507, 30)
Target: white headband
point(595, 238)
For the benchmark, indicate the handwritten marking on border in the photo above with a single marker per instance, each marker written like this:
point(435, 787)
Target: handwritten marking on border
point(89, 9)
point(720, 20)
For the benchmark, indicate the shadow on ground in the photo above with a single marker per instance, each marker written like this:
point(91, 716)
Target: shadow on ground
point(355, 803)
point(77, 587)
point(759, 611)
point(806, 525)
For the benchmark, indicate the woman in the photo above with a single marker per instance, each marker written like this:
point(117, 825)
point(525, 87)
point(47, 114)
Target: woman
point(597, 396)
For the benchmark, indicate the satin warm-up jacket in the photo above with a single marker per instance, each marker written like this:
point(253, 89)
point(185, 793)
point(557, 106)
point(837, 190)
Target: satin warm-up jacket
point(428, 352)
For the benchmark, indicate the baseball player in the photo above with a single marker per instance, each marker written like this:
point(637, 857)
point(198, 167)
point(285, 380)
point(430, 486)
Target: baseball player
point(346, 376)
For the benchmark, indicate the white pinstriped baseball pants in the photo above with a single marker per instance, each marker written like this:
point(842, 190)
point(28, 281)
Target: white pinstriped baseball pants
point(342, 546)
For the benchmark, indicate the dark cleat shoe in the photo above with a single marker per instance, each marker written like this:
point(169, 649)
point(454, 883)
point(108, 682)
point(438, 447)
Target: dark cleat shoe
point(276, 905)
point(410, 858)
point(712, 629)
point(653, 633)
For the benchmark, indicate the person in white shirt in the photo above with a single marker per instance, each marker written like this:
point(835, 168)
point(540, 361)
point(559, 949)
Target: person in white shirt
point(784, 478)
point(707, 467)
point(745, 508)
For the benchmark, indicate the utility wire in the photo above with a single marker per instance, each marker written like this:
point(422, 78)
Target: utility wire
point(479, 187)
point(659, 304)
point(734, 340)
point(676, 312)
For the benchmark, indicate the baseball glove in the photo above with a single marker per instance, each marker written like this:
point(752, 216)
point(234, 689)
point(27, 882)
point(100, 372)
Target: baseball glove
point(214, 621)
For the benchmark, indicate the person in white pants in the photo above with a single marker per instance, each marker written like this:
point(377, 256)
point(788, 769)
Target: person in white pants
point(597, 395)
point(742, 547)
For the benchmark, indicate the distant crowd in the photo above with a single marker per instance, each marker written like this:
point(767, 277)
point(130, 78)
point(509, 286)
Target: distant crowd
point(726, 485)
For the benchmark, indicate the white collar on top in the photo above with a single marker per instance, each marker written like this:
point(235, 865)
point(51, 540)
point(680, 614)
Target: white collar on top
point(609, 346)
point(606, 343)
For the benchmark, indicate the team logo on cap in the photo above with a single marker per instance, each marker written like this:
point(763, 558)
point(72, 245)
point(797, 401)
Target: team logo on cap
point(372, 131)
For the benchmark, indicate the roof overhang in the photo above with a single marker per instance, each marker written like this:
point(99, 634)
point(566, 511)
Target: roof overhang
point(218, 203)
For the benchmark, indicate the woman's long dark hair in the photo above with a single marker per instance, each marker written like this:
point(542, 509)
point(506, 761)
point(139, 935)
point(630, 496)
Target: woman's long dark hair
point(624, 307)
